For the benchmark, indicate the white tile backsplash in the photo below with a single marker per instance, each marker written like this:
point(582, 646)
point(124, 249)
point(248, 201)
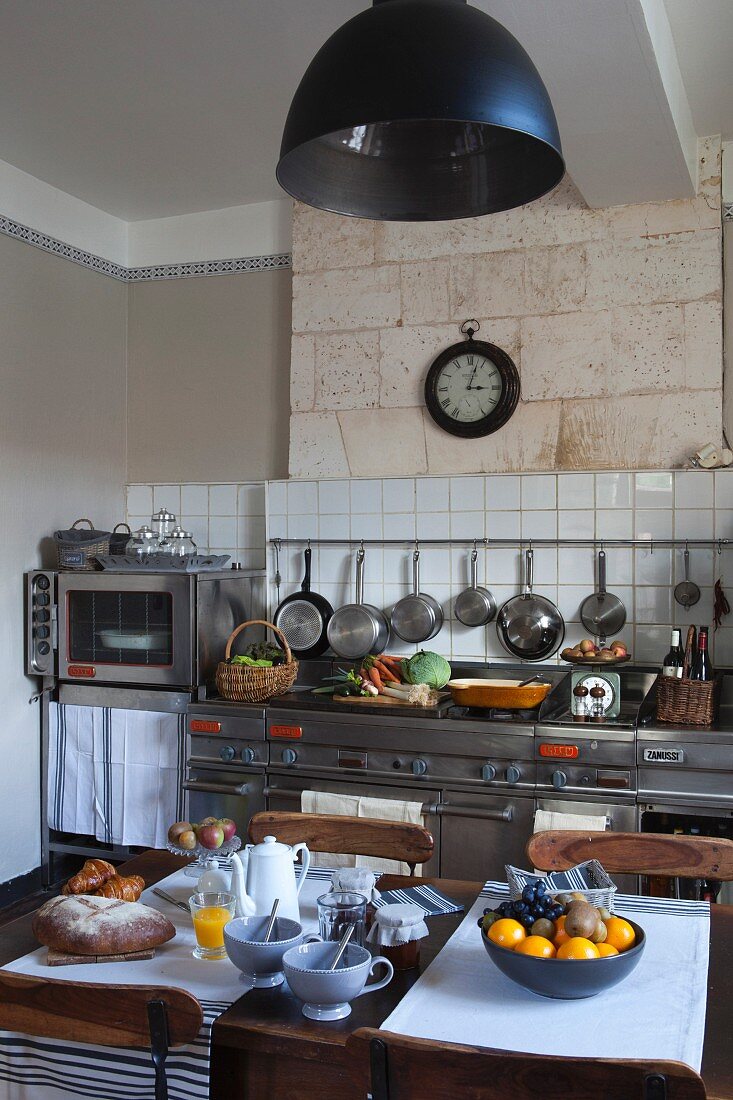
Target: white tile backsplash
point(234, 519)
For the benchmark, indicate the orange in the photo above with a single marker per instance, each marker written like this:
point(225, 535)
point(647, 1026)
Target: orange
point(606, 949)
point(620, 933)
point(537, 946)
point(561, 935)
point(507, 933)
point(578, 948)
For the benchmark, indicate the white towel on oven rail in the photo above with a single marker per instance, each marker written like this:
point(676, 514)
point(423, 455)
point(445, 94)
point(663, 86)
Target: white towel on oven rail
point(115, 774)
point(348, 805)
point(549, 820)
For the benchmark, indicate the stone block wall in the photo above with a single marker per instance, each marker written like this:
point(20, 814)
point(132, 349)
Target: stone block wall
point(613, 317)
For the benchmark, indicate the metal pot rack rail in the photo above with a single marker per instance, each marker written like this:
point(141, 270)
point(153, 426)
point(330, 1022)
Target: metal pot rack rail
point(520, 543)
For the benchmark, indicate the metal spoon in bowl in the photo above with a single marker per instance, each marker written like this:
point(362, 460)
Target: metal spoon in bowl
point(341, 947)
point(271, 922)
point(686, 592)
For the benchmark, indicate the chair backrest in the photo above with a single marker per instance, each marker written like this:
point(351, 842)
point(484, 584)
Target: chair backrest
point(662, 854)
point(401, 1068)
point(105, 1015)
point(360, 836)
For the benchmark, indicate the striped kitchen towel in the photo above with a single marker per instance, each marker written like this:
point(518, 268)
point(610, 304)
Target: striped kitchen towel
point(434, 902)
point(114, 774)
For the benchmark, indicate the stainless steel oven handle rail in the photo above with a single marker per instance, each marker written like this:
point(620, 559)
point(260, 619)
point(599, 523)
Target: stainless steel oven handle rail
point(444, 809)
point(216, 788)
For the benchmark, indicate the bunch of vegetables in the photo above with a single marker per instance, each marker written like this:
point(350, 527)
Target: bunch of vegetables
point(259, 655)
point(415, 680)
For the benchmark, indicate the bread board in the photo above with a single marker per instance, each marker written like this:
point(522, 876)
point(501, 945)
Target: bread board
point(62, 958)
point(388, 701)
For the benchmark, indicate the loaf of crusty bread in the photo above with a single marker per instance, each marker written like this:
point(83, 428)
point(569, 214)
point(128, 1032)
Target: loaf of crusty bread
point(84, 925)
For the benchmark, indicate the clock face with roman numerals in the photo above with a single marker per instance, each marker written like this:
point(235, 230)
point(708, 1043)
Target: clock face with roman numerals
point(472, 389)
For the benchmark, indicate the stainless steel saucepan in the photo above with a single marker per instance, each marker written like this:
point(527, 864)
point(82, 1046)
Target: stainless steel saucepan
point(358, 628)
point(475, 606)
point(530, 627)
point(417, 617)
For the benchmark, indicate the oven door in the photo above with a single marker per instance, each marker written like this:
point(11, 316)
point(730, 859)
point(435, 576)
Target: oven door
point(223, 792)
point(126, 628)
point(283, 793)
point(620, 817)
point(480, 833)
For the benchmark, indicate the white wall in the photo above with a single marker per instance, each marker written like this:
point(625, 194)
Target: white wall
point(62, 456)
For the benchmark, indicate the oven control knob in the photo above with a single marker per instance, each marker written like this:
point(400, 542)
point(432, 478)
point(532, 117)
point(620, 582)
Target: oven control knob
point(44, 649)
point(512, 774)
point(42, 599)
point(227, 753)
point(42, 616)
point(419, 767)
point(42, 582)
point(488, 772)
point(289, 756)
point(41, 631)
point(248, 755)
point(559, 779)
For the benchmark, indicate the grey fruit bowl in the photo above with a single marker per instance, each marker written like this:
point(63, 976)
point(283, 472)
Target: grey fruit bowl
point(566, 979)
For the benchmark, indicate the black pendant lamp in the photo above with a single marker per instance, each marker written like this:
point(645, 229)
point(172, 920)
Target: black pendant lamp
point(420, 110)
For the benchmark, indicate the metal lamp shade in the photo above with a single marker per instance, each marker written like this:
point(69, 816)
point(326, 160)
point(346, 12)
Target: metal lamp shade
point(420, 110)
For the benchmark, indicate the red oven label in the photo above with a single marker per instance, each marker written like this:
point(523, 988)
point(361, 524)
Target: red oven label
point(291, 733)
point(198, 725)
point(82, 672)
point(565, 752)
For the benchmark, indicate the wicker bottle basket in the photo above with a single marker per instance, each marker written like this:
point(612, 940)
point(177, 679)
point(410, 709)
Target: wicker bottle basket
point(248, 684)
point(687, 702)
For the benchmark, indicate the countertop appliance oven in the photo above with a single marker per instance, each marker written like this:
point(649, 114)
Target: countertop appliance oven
point(155, 629)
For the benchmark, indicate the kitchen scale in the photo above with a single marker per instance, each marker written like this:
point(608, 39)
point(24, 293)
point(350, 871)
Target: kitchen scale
point(597, 676)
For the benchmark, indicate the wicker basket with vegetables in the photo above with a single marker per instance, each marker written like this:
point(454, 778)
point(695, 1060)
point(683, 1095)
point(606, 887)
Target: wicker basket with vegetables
point(417, 680)
point(263, 671)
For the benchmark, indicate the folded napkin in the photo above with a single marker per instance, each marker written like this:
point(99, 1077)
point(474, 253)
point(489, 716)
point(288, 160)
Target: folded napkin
point(584, 876)
point(434, 902)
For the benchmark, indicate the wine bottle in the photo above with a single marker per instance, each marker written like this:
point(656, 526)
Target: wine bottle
point(701, 666)
point(675, 659)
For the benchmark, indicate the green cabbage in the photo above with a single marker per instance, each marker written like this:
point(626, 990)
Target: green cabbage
point(427, 668)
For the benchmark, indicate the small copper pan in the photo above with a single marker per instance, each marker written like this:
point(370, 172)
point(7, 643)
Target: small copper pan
point(502, 694)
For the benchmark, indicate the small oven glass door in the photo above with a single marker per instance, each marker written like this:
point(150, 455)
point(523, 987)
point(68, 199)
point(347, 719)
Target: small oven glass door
point(126, 629)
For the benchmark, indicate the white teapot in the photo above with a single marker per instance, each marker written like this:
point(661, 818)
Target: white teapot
point(266, 872)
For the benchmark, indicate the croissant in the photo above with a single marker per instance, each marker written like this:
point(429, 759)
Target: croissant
point(126, 889)
point(93, 874)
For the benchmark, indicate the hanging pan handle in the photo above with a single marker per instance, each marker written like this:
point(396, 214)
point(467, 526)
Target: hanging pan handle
point(529, 569)
point(360, 575)
point(601, 573)
point(474, 570)
point(416, 573)
point(306, 585)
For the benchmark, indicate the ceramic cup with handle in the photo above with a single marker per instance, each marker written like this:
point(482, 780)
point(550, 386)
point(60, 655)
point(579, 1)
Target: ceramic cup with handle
point(327, 993)
point(262, 963)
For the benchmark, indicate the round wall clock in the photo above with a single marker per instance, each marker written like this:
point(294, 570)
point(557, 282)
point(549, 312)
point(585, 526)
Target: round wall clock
point(472, 388)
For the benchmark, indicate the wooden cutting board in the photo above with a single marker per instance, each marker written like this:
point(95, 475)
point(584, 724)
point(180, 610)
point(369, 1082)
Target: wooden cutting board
point(387, 701)
point(62, 958)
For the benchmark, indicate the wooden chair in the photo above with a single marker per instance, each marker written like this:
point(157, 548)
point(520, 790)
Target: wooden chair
point(360, 836)
point(102, 1015)
point(401, 1068)
point(664, 854)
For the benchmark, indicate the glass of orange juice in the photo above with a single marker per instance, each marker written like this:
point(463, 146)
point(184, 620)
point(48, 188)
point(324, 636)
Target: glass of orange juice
point(210, 912)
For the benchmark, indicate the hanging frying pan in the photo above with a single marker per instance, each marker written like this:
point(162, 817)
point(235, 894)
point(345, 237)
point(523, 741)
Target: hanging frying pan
point(529, 626)
point(603, 613)
point(303, 617)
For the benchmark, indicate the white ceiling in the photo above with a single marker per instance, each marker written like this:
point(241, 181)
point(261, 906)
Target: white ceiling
point(703, 36)
point(152, 108)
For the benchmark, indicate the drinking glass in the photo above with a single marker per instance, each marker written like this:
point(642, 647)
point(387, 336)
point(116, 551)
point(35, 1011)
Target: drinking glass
point(210, 912)
point(339, 909)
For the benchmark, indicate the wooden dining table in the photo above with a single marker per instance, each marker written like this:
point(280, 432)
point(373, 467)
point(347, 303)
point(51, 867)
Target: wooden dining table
point(265, 1049)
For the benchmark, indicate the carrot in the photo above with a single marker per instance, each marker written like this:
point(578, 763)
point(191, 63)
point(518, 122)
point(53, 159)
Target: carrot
point(394, 663)
point(363, 673)
point(376, 679)
point(386, 672)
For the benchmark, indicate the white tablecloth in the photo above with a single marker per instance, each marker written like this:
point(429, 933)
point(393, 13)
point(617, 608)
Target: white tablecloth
point(47, 1069)
point(658, 1012)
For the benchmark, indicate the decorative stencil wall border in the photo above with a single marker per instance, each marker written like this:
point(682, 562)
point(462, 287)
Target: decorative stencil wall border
point(195, 269)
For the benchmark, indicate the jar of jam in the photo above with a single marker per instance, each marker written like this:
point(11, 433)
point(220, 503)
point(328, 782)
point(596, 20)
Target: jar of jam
point(361, 881)
point(397, 932)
